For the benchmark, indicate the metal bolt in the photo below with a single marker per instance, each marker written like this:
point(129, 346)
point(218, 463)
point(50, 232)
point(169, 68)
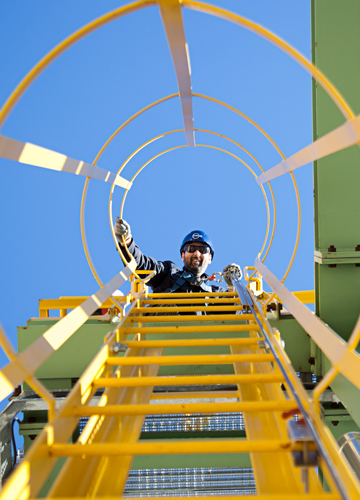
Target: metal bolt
point(331, 249)
point(311, 360)
point(262, 344)
point(335, 422)
point(118, 347)
point(357, 249)
point(271, 307)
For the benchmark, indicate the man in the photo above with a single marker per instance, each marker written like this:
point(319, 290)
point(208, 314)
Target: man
point(196, 252)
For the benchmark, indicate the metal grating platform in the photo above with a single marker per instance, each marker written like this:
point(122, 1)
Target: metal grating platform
point(149, 483)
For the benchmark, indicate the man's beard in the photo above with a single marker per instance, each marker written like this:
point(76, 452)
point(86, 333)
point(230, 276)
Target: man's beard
point(195, 265)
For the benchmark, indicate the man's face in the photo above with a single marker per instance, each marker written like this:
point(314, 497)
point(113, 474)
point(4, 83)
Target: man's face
point(196, 262)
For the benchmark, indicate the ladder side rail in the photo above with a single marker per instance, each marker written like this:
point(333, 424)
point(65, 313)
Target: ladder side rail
point(326, 445)
point(340, 353)
point(24, 484)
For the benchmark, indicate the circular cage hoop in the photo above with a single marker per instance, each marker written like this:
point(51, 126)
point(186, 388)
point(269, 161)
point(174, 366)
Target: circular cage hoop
point(252, 122)
point(329, 88)
point(172, 149)
point(197, 6)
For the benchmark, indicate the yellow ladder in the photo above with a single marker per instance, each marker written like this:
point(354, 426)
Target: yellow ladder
point(98, 463)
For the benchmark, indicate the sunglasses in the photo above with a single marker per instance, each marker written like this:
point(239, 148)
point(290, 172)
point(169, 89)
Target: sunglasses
point(202, 249)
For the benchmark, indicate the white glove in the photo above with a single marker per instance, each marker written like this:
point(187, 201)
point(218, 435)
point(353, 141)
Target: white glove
point(236, 269)
point(122, 228)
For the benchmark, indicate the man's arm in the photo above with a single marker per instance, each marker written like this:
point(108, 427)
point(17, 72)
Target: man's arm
point(144, 263)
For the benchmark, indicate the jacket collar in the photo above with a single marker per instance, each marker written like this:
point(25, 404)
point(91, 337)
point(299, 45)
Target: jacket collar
point(204, 275)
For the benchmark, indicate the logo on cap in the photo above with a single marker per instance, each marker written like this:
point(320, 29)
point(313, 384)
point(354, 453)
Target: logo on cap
point(196, 236)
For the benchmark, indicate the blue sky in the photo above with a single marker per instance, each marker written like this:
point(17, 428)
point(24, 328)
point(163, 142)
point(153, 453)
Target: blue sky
point(90, 90)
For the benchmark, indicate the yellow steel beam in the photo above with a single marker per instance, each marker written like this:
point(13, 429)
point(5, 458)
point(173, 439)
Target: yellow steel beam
point(173, 448)
point(185, 408)
point(68, 303)
point(306, 296)
point(191, 342)
point(171, 16)
point(206, 359)
point(73, 302)
point(188, 380)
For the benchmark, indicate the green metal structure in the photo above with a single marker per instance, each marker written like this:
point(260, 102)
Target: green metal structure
point(335, 38)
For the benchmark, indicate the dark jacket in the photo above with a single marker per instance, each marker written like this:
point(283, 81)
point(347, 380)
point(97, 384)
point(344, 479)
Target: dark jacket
point(167, 273)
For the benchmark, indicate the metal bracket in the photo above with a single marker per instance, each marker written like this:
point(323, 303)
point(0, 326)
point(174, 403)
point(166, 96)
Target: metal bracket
point(338, 256)
point(299, 432)
point(118, 347)
point(262, 344)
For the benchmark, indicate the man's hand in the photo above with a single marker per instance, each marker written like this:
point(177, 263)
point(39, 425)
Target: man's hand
point(122, 228)
point(232, 267)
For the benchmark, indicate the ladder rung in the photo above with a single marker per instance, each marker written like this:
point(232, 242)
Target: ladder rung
point(286, 496)
point(194, 395)
point(205, 300)
point(154, 309)
point(191, 342)
point(191, 329)
point(173, 448)
point(198, 294)
point(200, 359)
point(188, 380)
point(307, 496)
point(187, 408)
point(181, 319)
